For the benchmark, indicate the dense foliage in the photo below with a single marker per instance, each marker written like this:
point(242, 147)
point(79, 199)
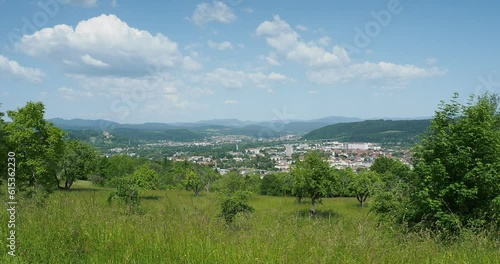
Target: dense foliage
point(233, 197)
point(456, 181)
point(38, 146)
point(376, 131)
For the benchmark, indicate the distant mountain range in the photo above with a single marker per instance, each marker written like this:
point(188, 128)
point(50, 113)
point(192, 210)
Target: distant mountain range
point(230, 126)
point(337, 128)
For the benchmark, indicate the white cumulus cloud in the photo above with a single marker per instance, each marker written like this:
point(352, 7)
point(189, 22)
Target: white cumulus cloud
point(100, 41)
point(217, 11)
point(287, 42)
point(335, 65)
point(87, 59)
point(12, 69)
point(225, 45)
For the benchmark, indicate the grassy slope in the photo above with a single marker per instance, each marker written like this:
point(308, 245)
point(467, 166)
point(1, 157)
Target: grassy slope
point(80, 227)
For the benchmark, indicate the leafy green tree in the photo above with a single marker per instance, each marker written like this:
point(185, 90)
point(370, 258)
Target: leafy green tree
point(127, 191)
point(78, 162)
point(99, 175)
point(391, 171)
point(119, 166)
point(179, 171)
point(211, 176)
point(299, 183)
point(194, 180)
point(144, 177)
point(38, 145)
point(457, 181)
point(389, 201)
point(233, 196)
point(312, 177)
point(235, 203)
point(343, 178)
point(364, 184)
point(272, 184)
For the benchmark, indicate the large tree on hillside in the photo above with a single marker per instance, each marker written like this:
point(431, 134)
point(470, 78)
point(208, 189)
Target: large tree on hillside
point(38, 145)
point(78, 162)
point(313, 178)
point(456, 181)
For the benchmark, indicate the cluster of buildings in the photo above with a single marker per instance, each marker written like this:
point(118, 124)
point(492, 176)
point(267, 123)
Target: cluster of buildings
point(338, 154)
point(279, 156)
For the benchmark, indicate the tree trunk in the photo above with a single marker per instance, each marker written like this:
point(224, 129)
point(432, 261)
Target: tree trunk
point(68, 183)
point(312, 211)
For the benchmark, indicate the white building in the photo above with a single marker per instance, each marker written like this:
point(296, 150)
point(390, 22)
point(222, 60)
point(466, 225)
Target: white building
point(288, 151)
point(357, 146)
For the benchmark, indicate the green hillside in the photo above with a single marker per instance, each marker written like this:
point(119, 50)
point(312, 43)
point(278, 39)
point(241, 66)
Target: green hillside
point(377, 131)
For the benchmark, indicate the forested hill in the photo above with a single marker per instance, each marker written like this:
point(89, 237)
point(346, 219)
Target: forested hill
point(377, 131)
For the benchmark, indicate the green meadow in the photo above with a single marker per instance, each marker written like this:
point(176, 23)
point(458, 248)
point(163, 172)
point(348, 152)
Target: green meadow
point(79, 226)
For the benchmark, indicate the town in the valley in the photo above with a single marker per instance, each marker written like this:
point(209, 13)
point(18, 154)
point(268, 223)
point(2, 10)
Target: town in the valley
point(272, 155)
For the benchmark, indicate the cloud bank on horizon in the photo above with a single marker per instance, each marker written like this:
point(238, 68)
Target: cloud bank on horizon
point(186, 61)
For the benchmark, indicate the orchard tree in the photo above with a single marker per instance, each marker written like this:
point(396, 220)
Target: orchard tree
point(144, 177)
point(194, 181)
point(117, 167)
point(343, 178)
point(196, 177)
point(210, 176)
point(456, 179)
point(364, 184)
point(38, 146)
point(312, 177)
point(233, 196)
point(78, 162)
point(273, 184)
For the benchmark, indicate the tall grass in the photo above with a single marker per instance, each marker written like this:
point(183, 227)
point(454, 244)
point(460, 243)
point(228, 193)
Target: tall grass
point(79, 226)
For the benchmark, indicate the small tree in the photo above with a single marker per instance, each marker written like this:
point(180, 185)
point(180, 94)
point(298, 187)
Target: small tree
point(364, 184)
point(127, 192)
point(193, 180)
point(144, 177)
point(312, 177)
point(78, 162)
point(233, 197)
point(235, 203)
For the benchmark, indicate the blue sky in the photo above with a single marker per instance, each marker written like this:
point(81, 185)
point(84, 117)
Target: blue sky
point(137, 61)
